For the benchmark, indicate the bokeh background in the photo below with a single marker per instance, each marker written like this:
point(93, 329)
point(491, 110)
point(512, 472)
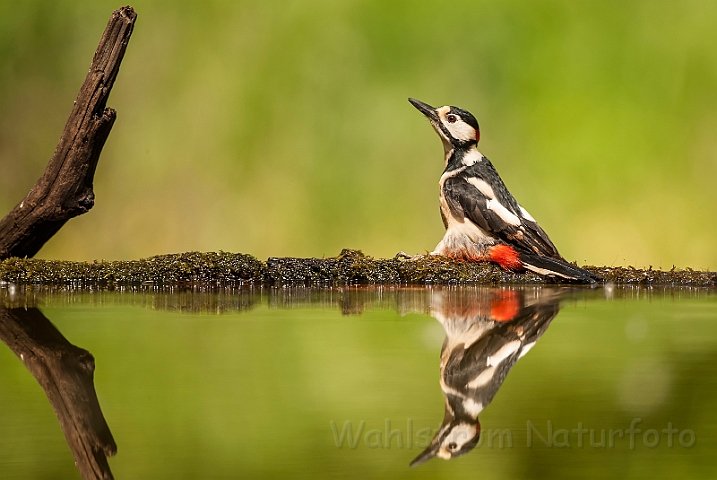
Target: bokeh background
point(282, 128)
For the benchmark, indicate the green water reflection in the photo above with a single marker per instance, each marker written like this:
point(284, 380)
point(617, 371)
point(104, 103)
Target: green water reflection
point(264, 382)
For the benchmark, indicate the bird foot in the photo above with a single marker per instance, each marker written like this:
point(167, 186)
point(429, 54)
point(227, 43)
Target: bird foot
point(404, 256)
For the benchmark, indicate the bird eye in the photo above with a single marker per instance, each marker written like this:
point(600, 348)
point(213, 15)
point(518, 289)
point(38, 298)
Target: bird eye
point(451, 118)
point(452, 445)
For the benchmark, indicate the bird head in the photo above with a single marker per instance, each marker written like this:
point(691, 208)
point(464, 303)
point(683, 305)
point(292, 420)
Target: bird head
point(454, 438)
point(456, 127)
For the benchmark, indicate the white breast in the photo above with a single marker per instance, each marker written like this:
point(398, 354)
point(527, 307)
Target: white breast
point(462, 235)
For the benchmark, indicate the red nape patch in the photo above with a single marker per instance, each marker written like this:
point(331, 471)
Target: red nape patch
point(505, 256)
point(504, 306)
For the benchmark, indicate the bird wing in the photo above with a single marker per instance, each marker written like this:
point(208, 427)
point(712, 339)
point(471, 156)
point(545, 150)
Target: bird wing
point(499, 215)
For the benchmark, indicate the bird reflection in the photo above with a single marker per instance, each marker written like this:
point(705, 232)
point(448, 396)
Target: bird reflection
point(487, 332)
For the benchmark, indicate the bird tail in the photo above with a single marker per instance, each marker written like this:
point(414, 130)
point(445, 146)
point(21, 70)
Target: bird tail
point(553, 267)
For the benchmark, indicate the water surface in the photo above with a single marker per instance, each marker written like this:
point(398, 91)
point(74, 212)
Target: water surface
point(353, 382)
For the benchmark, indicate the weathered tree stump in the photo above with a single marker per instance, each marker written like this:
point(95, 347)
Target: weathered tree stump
point(65, 188)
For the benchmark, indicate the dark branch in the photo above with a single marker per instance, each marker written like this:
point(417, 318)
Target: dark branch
point(65, 188)
point(65, 372)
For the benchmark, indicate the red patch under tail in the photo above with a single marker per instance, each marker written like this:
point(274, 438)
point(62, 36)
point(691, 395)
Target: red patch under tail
point(505, 256)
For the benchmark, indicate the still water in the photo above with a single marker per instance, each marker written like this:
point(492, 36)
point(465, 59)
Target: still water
point(359, 382)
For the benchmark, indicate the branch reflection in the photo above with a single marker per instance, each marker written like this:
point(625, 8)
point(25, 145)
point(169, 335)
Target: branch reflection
point(66, 374)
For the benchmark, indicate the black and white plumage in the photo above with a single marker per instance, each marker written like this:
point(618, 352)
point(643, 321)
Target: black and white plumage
point(486, 334)
point(483, 220)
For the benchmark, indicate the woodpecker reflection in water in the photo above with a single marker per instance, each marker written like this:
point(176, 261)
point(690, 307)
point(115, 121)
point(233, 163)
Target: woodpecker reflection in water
point(487, 332)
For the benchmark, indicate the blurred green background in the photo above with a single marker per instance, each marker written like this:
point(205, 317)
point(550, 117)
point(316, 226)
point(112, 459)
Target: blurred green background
point(282, 128)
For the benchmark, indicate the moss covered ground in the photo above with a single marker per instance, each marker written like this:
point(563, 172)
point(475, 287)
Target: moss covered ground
point(349, 267)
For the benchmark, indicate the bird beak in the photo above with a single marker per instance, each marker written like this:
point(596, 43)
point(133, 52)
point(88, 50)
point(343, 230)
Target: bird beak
point(425, 109)
point(428, 453)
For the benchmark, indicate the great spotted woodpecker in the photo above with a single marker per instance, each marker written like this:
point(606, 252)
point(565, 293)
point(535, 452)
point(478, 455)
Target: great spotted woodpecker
point(483, 221)
point(487, 332)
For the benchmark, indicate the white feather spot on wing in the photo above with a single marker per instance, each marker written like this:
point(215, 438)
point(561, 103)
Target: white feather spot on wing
point(526, 349)
point(482, 186)
point(506, 215)
point(505, 351)
point(526, 215)
point(482, 379)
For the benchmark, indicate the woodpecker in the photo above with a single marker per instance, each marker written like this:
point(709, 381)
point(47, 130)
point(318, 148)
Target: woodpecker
point(482, 219)
point(487, 332)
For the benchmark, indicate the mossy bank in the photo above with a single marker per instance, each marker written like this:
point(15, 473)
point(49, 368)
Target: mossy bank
point(349, 267)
